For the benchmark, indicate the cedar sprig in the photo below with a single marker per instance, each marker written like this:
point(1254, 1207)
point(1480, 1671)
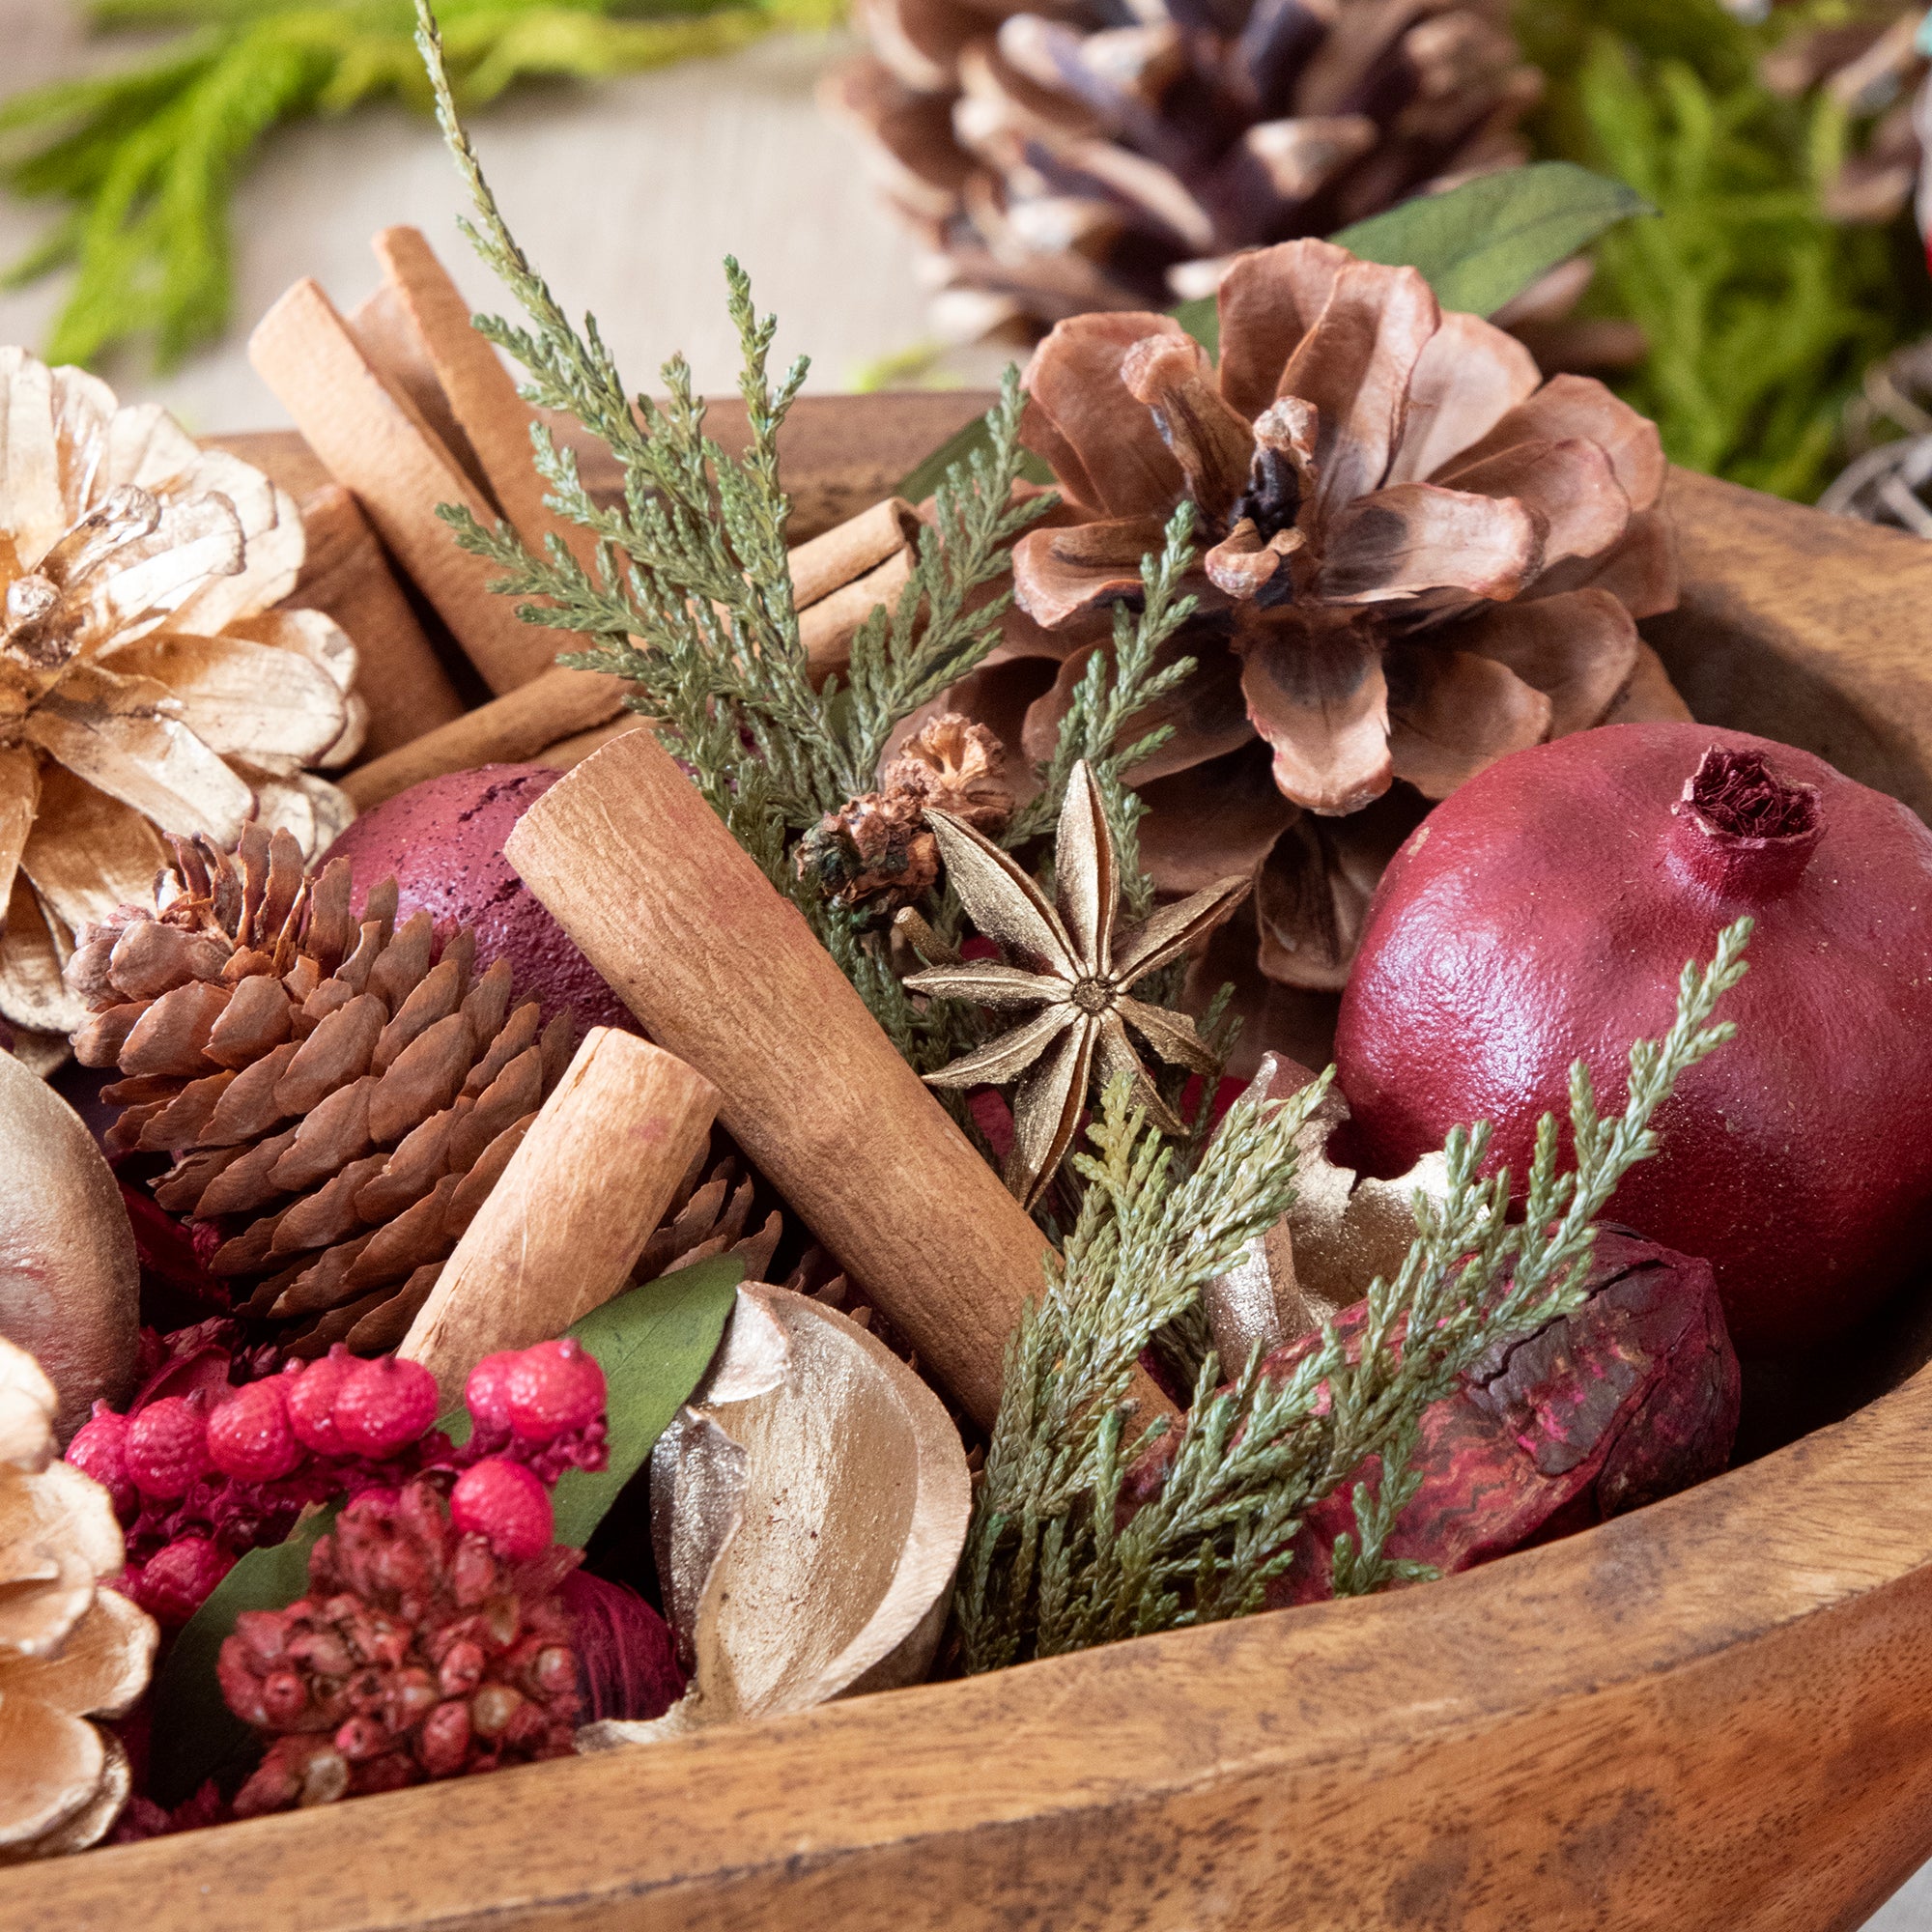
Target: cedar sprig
point(691, 599)
point(1048, 1568)
point(1116, 687)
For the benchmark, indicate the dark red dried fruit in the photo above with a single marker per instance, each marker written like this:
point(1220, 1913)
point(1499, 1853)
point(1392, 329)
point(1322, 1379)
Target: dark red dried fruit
point(1632, 1397)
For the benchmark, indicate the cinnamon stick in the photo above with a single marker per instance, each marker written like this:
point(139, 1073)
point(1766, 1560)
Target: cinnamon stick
point(345, 574)
point(849, 549)
point(518, 725)
point(828, 627)
point(479, 390)
point(563, 1227)
point(725, 972)
point(375, 441)
point(568, 753)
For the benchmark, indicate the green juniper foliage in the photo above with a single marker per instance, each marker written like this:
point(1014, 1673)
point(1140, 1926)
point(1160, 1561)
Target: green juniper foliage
point(147, 158)
point(1048, 1568)
point(1760, 311)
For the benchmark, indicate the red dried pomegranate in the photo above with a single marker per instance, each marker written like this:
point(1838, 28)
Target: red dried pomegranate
point(1543, 914)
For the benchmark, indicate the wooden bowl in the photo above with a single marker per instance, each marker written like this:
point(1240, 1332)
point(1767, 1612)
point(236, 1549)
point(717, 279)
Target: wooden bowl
point(1707, 1715)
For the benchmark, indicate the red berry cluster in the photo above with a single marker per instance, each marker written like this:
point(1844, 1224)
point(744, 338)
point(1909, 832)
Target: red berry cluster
point(200, 1478)
point(422, 1650)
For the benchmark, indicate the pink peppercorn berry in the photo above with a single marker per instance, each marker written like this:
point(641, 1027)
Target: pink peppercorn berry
point(384, 1405)
point(553, 1389)
point(502, 1502)
point(486, 1395)
point(251, 1438)
point(176, 1582)
point(311, 1392)
point(167, 1447)
point(99, 1449)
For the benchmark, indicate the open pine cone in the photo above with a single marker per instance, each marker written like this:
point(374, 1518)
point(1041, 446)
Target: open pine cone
point(339, 1098)
point(1096, 159)
point(1869, 63)
point(69, 1648)
point(1415, 556)
point(147, 683)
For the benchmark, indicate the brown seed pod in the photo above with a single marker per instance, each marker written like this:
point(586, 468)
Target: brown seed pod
point(70, 1285)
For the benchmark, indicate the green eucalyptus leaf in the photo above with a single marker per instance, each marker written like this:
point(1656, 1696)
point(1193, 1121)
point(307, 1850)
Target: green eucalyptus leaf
point(960, 448)
point(653, 1342)
point(1481, 245)
point(195, 1735)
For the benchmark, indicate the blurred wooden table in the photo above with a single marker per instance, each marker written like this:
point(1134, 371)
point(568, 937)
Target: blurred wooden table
point(627, 195)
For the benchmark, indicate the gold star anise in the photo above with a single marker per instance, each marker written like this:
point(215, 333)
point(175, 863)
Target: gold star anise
point(1072, 968)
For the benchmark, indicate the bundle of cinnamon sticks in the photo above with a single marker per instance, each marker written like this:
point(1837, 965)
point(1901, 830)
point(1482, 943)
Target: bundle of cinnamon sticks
point(405, 407)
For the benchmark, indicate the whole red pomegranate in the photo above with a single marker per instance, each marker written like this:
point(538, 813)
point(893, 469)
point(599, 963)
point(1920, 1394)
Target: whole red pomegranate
point(1543, 914)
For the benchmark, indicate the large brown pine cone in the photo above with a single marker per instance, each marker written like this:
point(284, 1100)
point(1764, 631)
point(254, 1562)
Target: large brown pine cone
point(1415, 556)
point(339, 1095)
point(1097, 159)
point(1869, 64)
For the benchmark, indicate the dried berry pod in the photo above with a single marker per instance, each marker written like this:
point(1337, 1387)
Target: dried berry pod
point(70, 1285)
point(69, 1648)
point(339, 1095)
point(1632, 1397)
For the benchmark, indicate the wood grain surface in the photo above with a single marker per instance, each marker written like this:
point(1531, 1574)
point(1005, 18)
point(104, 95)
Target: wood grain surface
point(1706, 1716)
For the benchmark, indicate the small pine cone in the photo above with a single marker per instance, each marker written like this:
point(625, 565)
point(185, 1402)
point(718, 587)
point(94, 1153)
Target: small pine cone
point(1058, 164)
point(338, 1096)
point(417, 1653)
point(873, 856)
point(877, 854)
point(707, 1216)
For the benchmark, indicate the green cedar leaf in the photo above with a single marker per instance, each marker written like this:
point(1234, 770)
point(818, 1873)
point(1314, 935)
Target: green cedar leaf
point(1483, 244)
point(1478, 245)
point(195, 1735)
point(653, 1344)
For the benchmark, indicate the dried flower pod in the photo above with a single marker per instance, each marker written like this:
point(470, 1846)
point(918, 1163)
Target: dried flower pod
point(70, 1285)
point(339, 1095)
point(625, 1650)
point(417, 1653)
point(154, 684)
point(958, 766)
point(1084, 160)
point(1341, 1230)
point(1417, 557)
point(809, 1507)
point(878, 853)
point(68, 1649)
